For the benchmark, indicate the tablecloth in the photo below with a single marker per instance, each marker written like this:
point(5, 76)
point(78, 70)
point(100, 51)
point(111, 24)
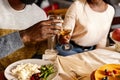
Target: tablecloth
point(83, 64)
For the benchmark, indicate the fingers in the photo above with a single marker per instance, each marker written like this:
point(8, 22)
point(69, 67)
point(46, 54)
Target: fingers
point(52, 26)
point(52, 32)
point(42, 30)
point(47, 31)
point(51, 22)
point(48, 28)
point(63, 39)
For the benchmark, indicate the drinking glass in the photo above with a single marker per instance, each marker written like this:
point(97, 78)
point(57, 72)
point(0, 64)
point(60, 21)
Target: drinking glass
point(52, 38)
point(64, 40)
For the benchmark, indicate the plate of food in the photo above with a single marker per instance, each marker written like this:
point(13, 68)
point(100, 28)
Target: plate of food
point(107, 72)
point(31, 69)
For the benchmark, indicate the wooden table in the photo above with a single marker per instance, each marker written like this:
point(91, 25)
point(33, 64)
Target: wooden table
point(2, 77)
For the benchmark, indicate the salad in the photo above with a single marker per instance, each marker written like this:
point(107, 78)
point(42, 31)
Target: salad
point(45, 71)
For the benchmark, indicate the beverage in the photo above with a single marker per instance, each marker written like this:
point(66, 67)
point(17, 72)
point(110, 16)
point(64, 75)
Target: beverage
point(64, 39)
point(64, 36)
point(65, 32)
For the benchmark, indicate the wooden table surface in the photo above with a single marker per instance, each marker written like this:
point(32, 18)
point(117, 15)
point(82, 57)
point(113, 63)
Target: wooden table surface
point(2, 77)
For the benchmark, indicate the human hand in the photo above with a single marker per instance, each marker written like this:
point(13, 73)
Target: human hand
point(40, 31)
point(65, 36)
point(64, 39)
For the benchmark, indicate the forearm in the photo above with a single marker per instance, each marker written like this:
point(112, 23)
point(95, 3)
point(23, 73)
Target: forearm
point(10, 43)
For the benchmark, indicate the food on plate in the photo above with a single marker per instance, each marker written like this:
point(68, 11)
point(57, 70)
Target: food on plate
point(45, 71)
point(29, 71)
point(24, 71)
point(116, 34)
point(107, 72)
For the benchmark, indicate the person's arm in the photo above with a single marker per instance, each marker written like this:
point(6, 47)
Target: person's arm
point(70, 18)
point(36, 33)
point(10, 43)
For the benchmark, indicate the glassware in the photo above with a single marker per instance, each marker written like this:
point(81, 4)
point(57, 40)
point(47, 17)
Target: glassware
point(64, 39)
point(51, 39)
point(51, 52)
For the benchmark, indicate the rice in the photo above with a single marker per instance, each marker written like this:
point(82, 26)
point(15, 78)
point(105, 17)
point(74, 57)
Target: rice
point(25, 71)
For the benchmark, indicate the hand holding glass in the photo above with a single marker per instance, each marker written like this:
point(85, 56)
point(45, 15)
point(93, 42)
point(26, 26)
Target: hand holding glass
point(52, 39)
point(64, 39)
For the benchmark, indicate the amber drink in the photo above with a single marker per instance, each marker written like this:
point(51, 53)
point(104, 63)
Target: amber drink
point(64, 39)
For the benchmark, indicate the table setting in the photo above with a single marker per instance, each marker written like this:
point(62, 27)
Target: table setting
point(79, 65)
point(73, 67)
point(84, 64)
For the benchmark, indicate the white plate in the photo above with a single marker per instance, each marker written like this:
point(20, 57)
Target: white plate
point(7, 72)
